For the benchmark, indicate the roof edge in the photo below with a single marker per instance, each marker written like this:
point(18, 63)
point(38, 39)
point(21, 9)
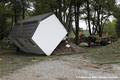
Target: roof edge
point(47, 16)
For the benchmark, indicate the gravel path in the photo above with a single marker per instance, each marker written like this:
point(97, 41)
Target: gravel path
point(62, 70)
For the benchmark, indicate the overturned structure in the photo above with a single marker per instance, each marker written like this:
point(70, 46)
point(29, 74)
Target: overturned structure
point(39, 34)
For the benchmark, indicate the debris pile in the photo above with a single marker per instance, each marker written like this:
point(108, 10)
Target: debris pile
point(67, 48)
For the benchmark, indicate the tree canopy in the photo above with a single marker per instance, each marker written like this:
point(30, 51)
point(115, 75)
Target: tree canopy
point(94, 12)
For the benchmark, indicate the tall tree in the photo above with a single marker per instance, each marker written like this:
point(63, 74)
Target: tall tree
point(5, 13)
point(76, 13)
point(18, 8)
point(88, 15)
point(97, 13)
point(41, 6)
point(67, 12)
point(117, 16)
point(78, 4)
point(61, 8)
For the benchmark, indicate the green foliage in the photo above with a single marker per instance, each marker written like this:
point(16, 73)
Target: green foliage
point(5, 13)
point(6, 44)
point(41, 6)
point(110, 27)
point(118, 27)
point(10, 10)
point(116, 14)
point(97, 12)
point(66, 10)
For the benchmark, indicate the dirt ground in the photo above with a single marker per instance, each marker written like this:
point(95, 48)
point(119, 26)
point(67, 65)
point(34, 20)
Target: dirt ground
point(66, 68)
point(63, 67)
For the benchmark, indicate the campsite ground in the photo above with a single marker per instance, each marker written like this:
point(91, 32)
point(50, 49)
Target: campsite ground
point(98, 61)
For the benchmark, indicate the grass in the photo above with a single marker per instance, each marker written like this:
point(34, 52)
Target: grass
point(105, 55)
point(11, 61)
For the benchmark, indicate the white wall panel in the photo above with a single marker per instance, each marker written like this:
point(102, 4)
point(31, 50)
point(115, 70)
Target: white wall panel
point(49, 34)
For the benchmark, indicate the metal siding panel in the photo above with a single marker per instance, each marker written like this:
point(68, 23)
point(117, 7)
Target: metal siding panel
point(26, 31)
point(27, 46)
point(29, 26)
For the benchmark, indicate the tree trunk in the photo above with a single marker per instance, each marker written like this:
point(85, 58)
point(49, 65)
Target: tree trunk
point(77, 6)
point(23, 13)
point(60, 10)
point(12, 19)
point(69, 25)
point(98, 21)
point(88, 14)
point(15, 14)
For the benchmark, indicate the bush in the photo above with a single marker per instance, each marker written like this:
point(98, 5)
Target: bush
point(6, 44)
